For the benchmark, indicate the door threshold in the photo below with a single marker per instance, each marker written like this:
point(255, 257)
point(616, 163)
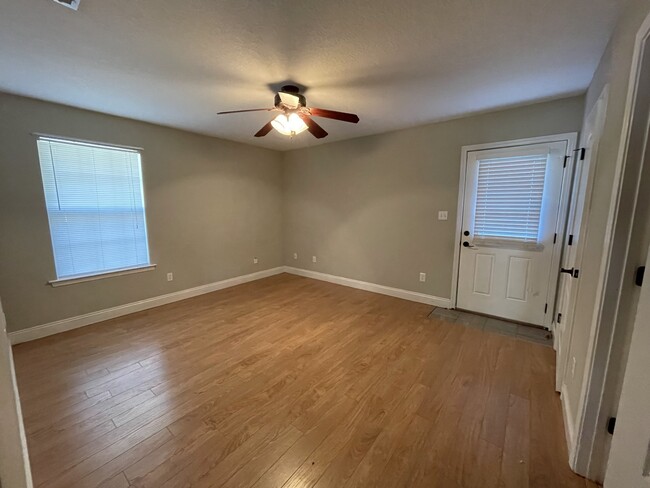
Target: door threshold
point(495, 325)
point(496, 317)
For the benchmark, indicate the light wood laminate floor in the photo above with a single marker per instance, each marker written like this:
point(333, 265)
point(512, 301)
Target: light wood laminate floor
point(291, 382)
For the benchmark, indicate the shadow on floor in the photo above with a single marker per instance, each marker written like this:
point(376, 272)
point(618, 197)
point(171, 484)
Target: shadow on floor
point(488, 324)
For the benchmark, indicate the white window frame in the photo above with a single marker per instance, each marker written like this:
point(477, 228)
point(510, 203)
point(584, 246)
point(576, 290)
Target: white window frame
point(81, 278)
point(501, 240)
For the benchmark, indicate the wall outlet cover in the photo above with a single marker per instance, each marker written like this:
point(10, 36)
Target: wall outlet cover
point(443, 215)
point(170, 276)
point(313, 259)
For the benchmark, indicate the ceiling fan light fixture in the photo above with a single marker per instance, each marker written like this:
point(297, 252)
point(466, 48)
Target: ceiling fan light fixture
point(295, 116)
point(289, 125)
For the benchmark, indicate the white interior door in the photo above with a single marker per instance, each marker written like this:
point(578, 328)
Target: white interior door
point(510, 220)
point(576, 227)
point(629, 458)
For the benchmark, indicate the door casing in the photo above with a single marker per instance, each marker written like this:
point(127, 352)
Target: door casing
point(563, 330)
point(598, 398)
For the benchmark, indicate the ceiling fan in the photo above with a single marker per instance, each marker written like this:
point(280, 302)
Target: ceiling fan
point(295, 117)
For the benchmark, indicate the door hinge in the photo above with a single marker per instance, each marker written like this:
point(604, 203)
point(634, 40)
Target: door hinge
point(559, 318)
point(611, 425)
point(582, 151)
point(545, 307)
point(554, 238)
point(570, 242)
point(572, 271)
point(638, 277)
point(565, 160)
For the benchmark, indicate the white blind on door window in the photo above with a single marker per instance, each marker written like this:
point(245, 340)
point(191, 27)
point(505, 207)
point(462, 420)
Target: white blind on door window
point(509, 198)
point(95, 207)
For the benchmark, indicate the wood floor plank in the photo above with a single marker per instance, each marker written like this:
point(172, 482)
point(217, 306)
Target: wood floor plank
point(110, 470)
point(291, 382)
point(516, 450)
point(369, 470)
point(277, 475)
point(117, 481)
point(397, 470)
point(165, 462)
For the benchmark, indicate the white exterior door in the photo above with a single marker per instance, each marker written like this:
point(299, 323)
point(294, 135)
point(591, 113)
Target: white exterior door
point(573, 243)
point(629, 458)
point(510, 220)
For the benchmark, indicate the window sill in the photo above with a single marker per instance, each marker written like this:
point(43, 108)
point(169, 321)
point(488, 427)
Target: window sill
point(508, 243)
point(100, 276)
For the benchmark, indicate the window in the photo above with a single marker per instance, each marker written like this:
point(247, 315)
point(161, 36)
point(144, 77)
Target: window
point(95, 207)
point(509, 198)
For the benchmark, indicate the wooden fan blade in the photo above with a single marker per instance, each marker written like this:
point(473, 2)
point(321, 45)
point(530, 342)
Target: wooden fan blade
point(264, 130)
point(248, 110)
point(316, 130)
point(332, 114)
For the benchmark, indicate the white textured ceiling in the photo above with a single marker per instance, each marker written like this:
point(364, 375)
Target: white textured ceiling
point(396, 63)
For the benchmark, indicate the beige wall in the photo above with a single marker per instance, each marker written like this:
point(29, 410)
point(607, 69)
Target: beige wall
point(614, 71)
point(367, 207)
point(212, 205)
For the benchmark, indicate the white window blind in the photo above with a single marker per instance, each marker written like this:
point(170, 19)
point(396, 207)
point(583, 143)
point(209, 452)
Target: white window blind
point(509, 198)
point(95, 207)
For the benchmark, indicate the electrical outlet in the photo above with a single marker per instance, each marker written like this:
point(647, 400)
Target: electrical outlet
point(295, 255)
point(170, 276)
point(443, 215)
point(423, 277)
point(255, 260)
point(313, 259)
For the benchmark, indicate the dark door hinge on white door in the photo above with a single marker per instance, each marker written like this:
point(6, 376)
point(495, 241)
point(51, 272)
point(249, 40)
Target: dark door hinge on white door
point(581, 153)
point(638, 276)
point(545, 307)
point(559, 318)
point(611, 425)
point(570, 241)
point(572, 271)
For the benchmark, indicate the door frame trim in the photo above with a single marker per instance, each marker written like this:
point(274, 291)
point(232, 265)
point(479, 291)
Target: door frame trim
point(571, 138)
point(568, 317)
point(587, 458)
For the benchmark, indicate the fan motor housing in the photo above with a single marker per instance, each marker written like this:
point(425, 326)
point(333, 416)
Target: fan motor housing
point(293, 90)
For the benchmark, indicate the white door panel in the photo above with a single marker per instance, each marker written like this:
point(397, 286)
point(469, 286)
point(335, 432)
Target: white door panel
point(517, 278)
point(510, 218)
point(483, 269)
point(502, 284)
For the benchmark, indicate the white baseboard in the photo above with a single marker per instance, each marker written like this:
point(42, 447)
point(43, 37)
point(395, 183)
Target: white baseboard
point(569, 430)
point(413, 296)
point(63, 325)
